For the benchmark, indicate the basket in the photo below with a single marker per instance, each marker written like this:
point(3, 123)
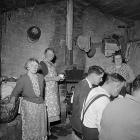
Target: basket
point(7, 115)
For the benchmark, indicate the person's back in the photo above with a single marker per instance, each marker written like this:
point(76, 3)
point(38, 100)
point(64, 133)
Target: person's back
point(92, 117)
point(81, 93)
point(94, 77)
point(121, 120)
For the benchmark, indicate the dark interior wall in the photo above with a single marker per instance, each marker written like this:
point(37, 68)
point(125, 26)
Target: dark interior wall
point(51, 18)
point(0, 40)
point(16, 48)
point(134, 53)
point(136, 30)
point(98, 25)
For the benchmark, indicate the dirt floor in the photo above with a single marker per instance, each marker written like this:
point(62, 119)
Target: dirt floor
point(12, 130)
point(62, 131)
point(65, 138)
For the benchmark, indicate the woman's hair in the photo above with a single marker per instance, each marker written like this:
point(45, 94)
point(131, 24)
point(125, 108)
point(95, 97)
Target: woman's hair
point(118, 53)
point(54, 59)
point(29, 61)
point(95, 69)
point(46, 50)
point(136, 83)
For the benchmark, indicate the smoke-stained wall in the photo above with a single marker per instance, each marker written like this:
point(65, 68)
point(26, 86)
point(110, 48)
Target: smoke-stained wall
point(51, 19)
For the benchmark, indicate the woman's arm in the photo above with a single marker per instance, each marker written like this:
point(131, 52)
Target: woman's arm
point(17, 90)
point(54, 78)
point(131, 74)
point(15, 93)
point(43, 69)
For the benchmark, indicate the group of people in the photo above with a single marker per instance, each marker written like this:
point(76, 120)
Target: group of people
point(100, 111)
point(38, 90)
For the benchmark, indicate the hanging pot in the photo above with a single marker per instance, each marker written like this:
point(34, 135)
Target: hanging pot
point(34, 33)
point(92, 51)
point(83, 43)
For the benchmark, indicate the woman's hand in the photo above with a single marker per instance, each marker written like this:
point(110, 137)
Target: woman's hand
point(57, 78)
point(62, 76)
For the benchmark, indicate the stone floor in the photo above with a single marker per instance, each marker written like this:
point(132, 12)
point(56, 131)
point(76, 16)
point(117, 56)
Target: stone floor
point(62, 131)
point(65, 138)
point(11, 131)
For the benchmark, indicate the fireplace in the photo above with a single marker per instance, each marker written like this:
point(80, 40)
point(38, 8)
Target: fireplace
point(73, 75)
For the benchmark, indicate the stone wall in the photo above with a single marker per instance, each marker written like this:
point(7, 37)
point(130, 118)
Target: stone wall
point(98, 25)
point(51, 19)
point(16, 47)
point(134, 54)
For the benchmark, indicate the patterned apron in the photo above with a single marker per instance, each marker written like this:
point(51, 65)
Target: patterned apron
point(34, 121)
point(51, 95)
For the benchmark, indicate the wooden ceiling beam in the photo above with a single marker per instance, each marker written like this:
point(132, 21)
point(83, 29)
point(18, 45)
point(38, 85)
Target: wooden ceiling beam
point(112, 10)
point(133, 16)
point(82, 2)
point(113, 7)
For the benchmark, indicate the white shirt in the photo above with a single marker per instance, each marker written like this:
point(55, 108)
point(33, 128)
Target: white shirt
point(90, 85)
point(71, 100)
point(93, 115)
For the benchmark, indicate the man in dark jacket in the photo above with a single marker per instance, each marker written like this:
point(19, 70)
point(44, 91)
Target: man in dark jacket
point(94, 77)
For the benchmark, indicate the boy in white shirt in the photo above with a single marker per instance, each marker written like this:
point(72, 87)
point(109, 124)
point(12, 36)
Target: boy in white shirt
point(91, 119)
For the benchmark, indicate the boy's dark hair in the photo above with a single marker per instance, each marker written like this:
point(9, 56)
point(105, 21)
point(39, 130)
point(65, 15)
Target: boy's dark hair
point(95, 69)
point(115, 77)
point(136, 83)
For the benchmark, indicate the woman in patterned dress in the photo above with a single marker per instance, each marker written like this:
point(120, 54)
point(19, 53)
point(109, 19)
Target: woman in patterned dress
point(121, 68)
point(33, 109)
point(51, 91)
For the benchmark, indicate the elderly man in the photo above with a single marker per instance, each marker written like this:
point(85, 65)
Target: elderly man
point(121, 118)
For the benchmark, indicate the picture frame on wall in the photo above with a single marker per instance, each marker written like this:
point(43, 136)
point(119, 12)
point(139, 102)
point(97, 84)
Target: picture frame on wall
point(110, 47)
